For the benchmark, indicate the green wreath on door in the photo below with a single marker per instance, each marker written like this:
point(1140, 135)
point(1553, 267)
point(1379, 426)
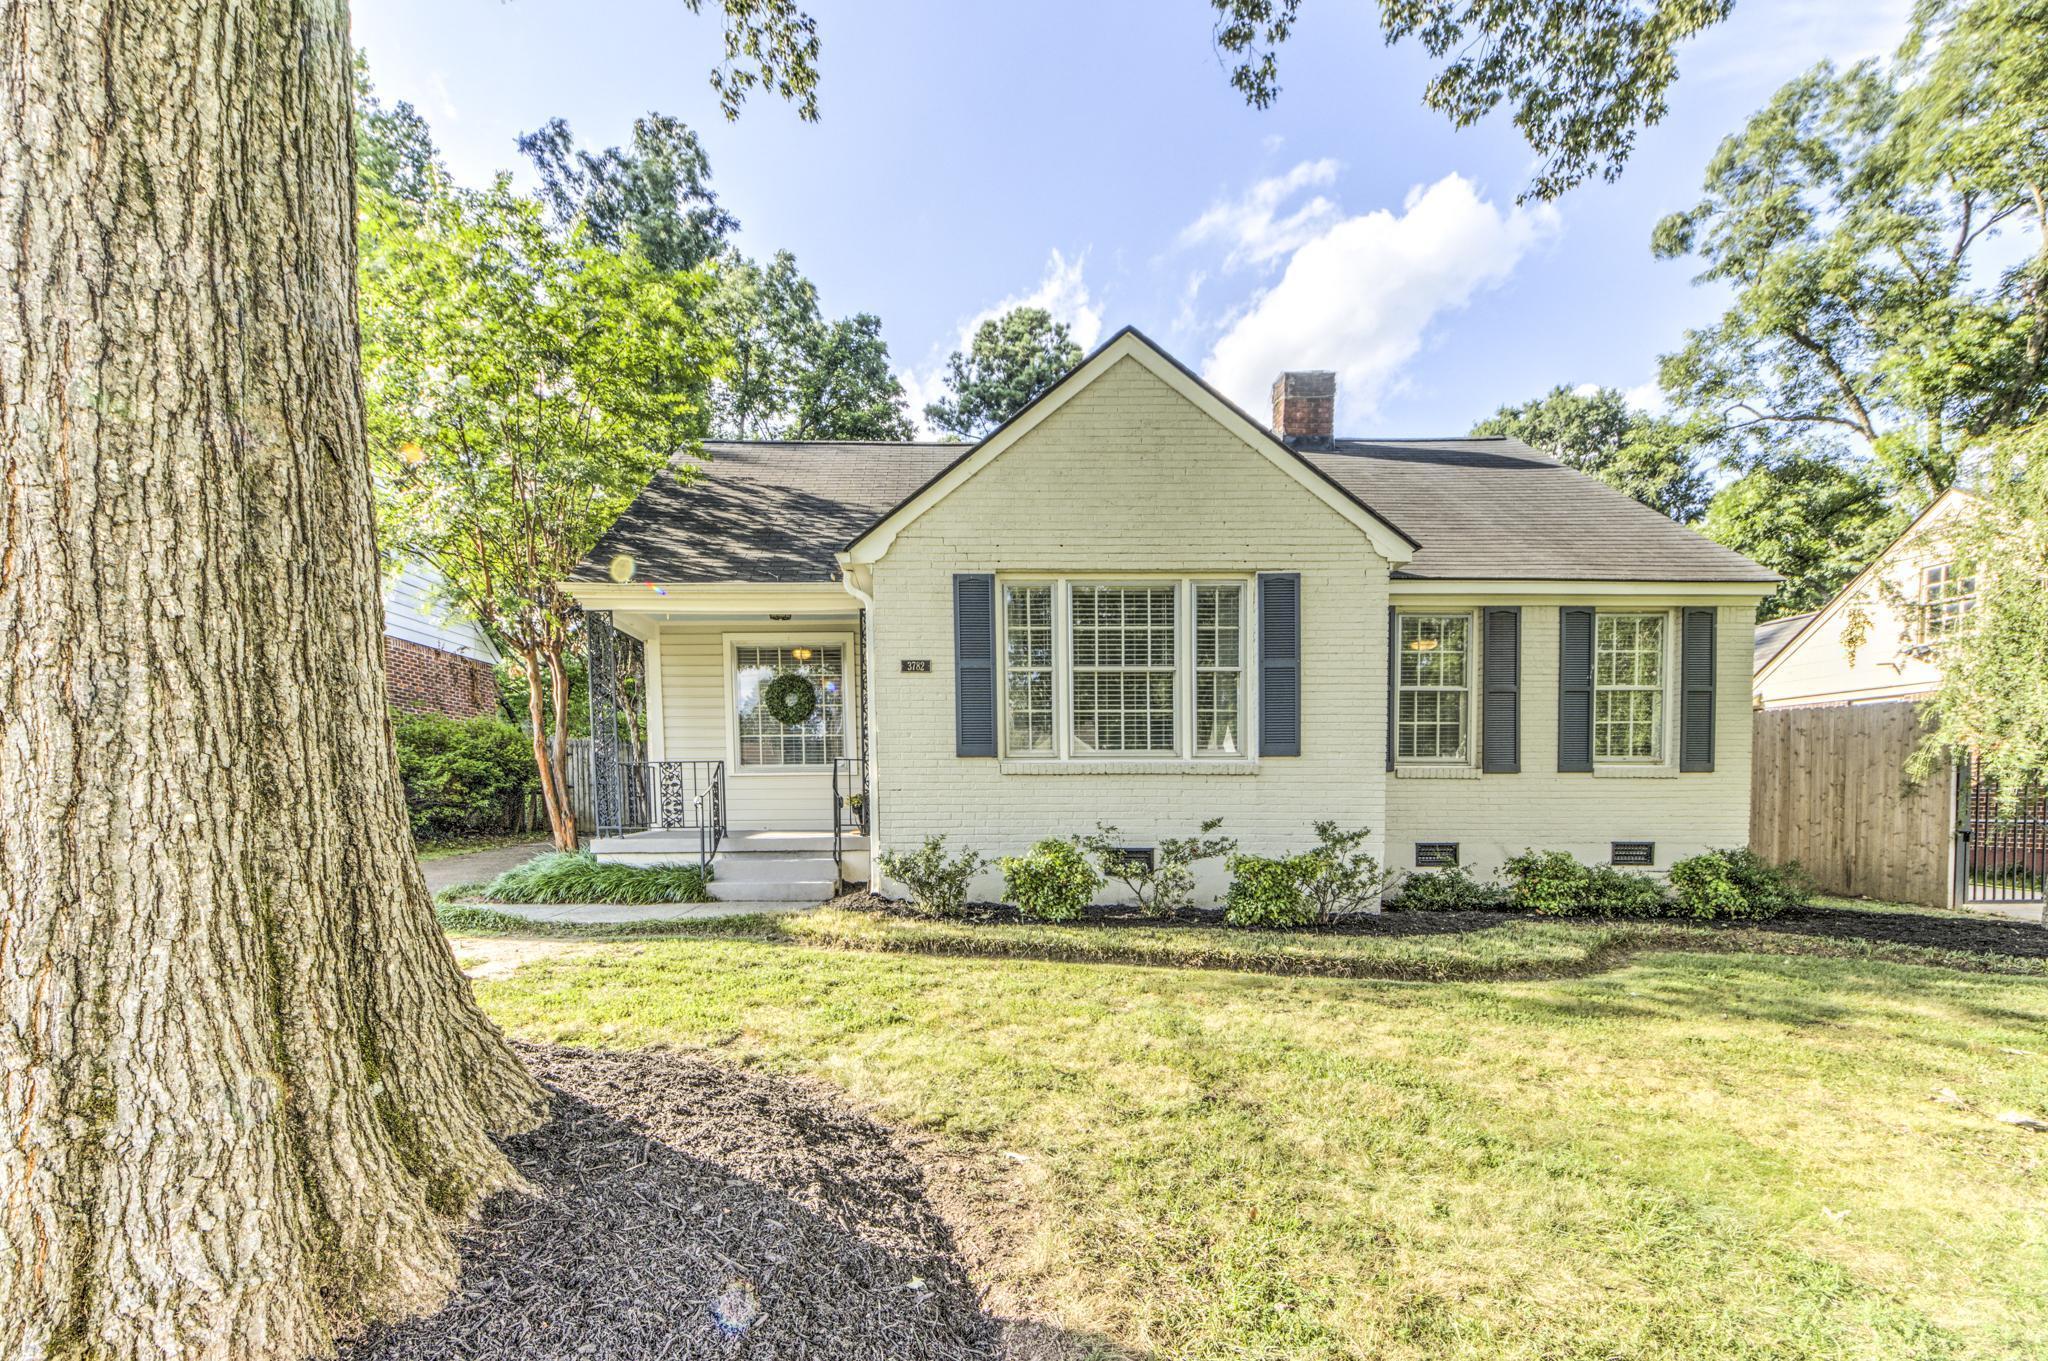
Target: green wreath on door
point(790, 698)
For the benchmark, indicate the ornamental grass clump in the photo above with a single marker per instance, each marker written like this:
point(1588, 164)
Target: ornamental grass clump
point(579, 877)
point(937, 882)
point(1053, 882)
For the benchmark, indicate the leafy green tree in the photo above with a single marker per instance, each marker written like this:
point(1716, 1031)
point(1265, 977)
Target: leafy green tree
point(1815, 520)
point(395, 152)
point(656, 193)
point(846, 389)
point(1011, 359)
point(1993, 696)
point(1582, 76)
point(524, 384)
point(1654, 460)
point(769, 316)
point(1850, 218)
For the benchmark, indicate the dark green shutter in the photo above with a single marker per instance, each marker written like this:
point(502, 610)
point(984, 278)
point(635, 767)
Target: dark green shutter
point(1696, 674)
point(1393, 681)
point(1500, 730)
point(1575, 688)
point(1279, 663)
point(974, 664)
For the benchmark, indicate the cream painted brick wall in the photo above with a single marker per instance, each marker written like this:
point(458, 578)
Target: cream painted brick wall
point(1129, 476)
point(1496, 816)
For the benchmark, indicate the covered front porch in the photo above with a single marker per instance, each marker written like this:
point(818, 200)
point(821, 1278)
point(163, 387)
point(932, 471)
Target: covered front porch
point(729, 728)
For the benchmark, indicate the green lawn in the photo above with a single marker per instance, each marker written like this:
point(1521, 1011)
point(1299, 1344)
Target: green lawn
point(1727, 1154)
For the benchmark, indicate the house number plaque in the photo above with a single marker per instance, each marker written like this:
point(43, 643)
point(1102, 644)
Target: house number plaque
point(920, 666)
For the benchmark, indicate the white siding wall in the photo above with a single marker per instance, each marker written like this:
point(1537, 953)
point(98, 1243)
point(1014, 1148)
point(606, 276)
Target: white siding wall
point(1495, 816)
point(696, 703)
point(413, 612)
point(1129, 476)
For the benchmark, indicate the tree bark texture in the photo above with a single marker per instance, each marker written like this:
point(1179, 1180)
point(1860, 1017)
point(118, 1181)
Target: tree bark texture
point(244, 1091)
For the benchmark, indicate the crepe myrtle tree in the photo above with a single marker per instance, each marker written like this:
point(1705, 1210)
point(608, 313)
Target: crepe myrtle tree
point(244, 1092)
point(524, 384)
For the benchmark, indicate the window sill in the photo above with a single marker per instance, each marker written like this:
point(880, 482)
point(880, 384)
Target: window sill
point(1635, 772)
point(1170, 766)
point(1436, 772)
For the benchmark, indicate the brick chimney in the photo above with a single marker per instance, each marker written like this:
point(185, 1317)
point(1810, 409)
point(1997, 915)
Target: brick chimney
point(1305, 407)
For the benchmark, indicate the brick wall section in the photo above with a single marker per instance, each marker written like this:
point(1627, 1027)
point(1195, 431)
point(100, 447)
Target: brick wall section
point(1129, 476)
point(427, 680)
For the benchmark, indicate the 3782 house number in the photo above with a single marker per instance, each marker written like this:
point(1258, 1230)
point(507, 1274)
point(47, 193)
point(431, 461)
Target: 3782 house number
point(920, 666)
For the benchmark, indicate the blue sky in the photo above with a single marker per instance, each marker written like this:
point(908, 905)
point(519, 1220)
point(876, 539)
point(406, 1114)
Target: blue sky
point(1093, 158)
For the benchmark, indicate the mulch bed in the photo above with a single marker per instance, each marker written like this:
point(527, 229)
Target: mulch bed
point(685, 1209)
point(1970, 935)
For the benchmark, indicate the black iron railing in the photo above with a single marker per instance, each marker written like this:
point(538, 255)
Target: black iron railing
point(852, 804)
point(675, 796)
point(2003, 857)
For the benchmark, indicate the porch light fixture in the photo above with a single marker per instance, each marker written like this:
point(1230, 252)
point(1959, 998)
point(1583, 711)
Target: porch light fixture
point(802, 654)
point(1422, 645)
point(621, 568)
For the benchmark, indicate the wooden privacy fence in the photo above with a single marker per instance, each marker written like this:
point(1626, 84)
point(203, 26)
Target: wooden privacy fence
point(1828, 789)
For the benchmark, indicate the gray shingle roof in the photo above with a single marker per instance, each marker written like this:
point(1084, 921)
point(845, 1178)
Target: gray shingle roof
point(1492, 507)
point(763, 511)
point(1776, 635)
point(1480, 508)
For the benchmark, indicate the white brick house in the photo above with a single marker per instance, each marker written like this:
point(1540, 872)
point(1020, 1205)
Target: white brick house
point(1134, 604)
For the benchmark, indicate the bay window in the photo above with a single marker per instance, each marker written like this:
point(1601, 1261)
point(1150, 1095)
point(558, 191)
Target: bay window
point(1628, 687)
point(1111, 670)
point(1433, 689)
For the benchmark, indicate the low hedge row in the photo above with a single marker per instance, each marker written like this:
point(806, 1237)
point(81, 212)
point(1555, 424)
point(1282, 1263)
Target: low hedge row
point(1059, 878)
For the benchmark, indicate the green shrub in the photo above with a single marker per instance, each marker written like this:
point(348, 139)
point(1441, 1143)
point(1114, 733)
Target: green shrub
point(1053, 882)
point(1267, 891)
point(1449, 890)
point(578, 877)
point(1167, 884)
point(937, 882)
point(1339, 879)
point(463, 776)
point(1736, 884)
point(1553, 884)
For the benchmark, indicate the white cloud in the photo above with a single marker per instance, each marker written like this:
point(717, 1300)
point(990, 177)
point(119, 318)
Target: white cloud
point(1252, 224)
point(1359, 295)
point(1647, 398)
point(1062, 291)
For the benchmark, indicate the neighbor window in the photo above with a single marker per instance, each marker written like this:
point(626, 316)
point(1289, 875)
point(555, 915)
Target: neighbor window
point(1946, 600)
point(1219, 669)
point(1433, 687)
point(1028, 667)
point(1628, 687)
point(1095, 670)
point(766, 742)
point(1124, 649)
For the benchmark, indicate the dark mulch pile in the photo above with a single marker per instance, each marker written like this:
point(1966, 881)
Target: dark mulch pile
point(1970, 935)
point(690, 1210)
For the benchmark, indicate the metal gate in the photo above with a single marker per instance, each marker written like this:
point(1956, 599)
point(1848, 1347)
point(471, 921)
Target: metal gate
point(2002, 846)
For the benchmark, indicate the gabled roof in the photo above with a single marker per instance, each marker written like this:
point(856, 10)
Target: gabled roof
point(1451, 509)
point(1132, 344)
point(1492, 508)
point(1772, 636)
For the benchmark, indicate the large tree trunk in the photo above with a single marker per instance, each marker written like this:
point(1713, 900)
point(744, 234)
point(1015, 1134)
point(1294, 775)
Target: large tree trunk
point(244, 1092)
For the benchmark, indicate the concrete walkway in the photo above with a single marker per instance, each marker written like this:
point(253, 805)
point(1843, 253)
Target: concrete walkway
point(607, 913)
point(479, 867)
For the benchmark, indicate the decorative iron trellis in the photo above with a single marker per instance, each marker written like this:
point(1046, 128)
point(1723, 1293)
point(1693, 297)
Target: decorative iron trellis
point(607, 809)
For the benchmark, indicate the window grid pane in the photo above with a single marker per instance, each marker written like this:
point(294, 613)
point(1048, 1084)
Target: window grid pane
point(819, 739)
point(1219, 669)
point(1433, 680)
point(1946, 600)
point(1028, 660)
point(1123, 648)
point(1628, 687)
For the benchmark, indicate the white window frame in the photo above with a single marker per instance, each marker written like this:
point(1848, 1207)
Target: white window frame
point(1184, 748)
point(850, 700)
point(1471, 689)
point(1964, 601)
point(1665, 689)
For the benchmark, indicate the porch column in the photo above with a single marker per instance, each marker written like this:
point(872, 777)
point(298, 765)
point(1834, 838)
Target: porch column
point(607, 793)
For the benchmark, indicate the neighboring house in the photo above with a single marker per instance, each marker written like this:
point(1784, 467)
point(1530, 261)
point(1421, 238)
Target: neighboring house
point(1880, 637)
point(1135, 605)
point(436, 659)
